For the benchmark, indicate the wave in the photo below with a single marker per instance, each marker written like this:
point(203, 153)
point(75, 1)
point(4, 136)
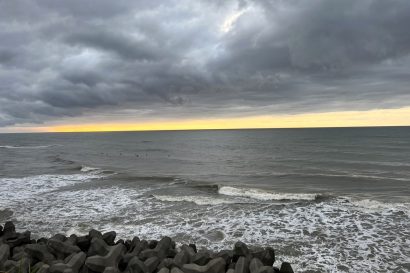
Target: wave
point(87, 169)
point(26, 147)
point(375, 205)
point(199, 200)
point(265, 195)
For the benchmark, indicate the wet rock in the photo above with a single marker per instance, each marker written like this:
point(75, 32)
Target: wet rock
point(98, 263)
point(136, 266)
point(176, 270)
point(17, 239)
point(201, 258)
point(254, 265)
point(134, 242)
point(4, 254)
point(62, 249)
point(73, 265)
point(83, 242)
point(227, 255)
point(139, 247)
point(181, 258)
point(241, 249)
point(164, 270)
point(286, 268)
point(9, 228)
point(193, 246)
point(190, 251)
point(151, 264)
point(42, 240)
point(242, 265)
point(267, 256)
point(266, 269)
point(152, 244)
point(214, 266)
point(167, 262)
point(97, 247)
point(110, 270)
point(59, 237)
point(39, 252)
point(95, 234)
point(161, 250)
point(19, 253)
point(21, 266)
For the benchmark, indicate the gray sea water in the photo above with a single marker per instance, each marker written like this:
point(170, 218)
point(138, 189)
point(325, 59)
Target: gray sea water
point(328, 200)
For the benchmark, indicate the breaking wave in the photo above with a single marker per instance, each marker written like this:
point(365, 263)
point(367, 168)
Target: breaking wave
point(25, 147)
point(265, 195)
point(199, 200)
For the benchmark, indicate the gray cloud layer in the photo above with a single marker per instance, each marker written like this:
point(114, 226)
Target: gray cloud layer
point(148, 59)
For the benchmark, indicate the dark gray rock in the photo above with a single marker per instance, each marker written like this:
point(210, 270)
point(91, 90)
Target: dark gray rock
point(136, 266)
point(95, 234)
point(176, 270)
point(98, 263)
point(227, 255)
point(74, 264)
point(242, 265)
point(164, 270)
point(83, 242)
point(151, 264)
point(201, 258)
point(152, 244)
point(59, 237)
point(161, 250)
point(230, 270)
point(216, 265)
point(167, 262)
point(21, 266)
point(139, 247)
point(17, 239)
point(9, 228)
point(267, 256)
point(42, 240)
point(181, 258)
point(62, 249)
point(193, 246)
point(97, 247)
point(111, 270)
point(190, 251)
point(254, 265)
point(39, 252)
point(241, 249)
point(4, 254)
point(286, 268)
point(266, 269)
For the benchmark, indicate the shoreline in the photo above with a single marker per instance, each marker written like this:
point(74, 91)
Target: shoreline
point(102, 253)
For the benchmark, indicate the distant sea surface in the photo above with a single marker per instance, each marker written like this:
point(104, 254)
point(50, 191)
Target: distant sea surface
point(328, 200)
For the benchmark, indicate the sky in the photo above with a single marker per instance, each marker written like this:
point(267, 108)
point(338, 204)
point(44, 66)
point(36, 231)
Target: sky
point(83, 65)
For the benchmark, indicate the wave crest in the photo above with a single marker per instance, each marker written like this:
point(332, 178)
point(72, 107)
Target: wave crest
point(264, 195)
point(199, 200)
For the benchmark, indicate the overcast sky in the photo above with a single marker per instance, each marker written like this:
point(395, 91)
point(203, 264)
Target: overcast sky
point(138, 60)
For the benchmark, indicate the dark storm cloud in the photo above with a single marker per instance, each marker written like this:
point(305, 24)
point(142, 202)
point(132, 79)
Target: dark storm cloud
point(147, 59)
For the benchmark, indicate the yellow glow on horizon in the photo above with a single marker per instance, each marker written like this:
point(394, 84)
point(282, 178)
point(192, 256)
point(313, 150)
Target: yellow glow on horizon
point(382, 117)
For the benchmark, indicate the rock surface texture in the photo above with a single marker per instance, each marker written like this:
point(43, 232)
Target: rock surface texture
point(100, 253)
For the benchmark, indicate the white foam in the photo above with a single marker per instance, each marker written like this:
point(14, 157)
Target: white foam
point(17, 189)
point(26, 147)
point(260, 194)
point(374, 205)
point(199, 200)
point(89, 169)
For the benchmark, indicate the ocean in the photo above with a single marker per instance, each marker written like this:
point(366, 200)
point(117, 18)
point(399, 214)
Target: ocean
point(327, 200)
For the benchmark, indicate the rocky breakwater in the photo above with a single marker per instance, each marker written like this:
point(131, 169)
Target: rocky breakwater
point(102, 253)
